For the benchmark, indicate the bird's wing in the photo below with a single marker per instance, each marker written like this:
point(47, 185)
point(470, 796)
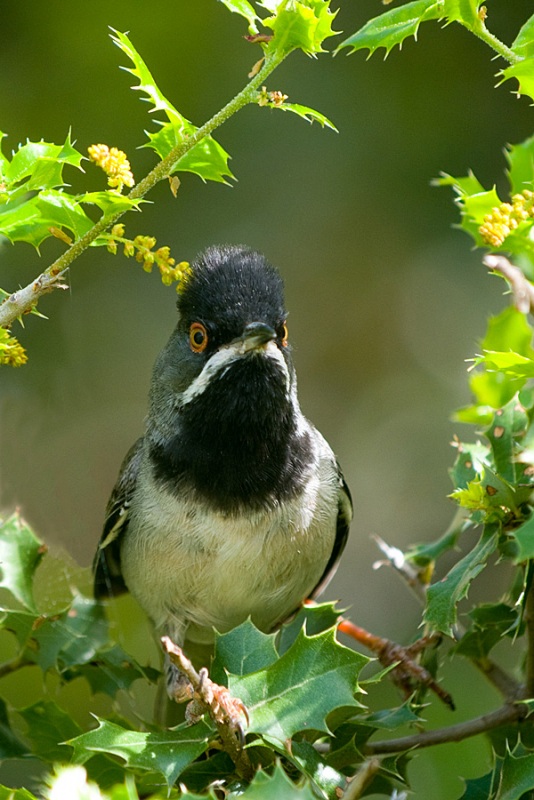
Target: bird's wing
point(108, 580)
point(344, 517)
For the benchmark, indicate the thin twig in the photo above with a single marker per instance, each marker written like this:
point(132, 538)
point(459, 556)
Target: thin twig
point(203, 697)
point(26, 299)
point(452, 733)
point(522, 289)
point(361, 779)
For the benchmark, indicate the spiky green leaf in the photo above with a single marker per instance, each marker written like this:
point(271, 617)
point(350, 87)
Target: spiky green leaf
point(167, 753)
point(315, 676)
point(523, 44)
point(300, 25)
point(523, 72)
point(244, 8)
point(394, 26)
point(444, 596)
point(20, 555)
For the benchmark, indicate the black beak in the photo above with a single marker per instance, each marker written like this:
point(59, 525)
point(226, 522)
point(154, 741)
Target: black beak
point(257, 334)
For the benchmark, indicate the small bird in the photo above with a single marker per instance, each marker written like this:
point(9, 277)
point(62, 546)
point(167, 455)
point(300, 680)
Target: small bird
point(232, 505)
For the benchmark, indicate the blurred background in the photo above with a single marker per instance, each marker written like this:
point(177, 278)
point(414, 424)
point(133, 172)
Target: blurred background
point(386, 298)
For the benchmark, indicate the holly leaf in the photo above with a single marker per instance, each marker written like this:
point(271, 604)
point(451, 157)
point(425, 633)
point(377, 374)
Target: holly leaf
point(490, 623)
point(523, 72)
point(394, 26)
point(279, 786)
point(207, 159)
point(509, 424)
point(523, 43)
point(20, 555)
point(443, 597)
point(309, 114)
point(41, 163)
point(520, 171)
point(517, 777)
point(463, 11)
point(299, 25)
point(315, 676)
point(10, 745)
point(314, 618)
point(111, 670)
point(48, 727)
point(242, 650)
point(244, 8)
point(167, 753)
point(64, 640)
point(7, 793)
point(524, 536)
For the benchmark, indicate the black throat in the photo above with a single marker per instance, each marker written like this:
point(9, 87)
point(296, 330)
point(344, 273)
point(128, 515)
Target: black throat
point(237, 443)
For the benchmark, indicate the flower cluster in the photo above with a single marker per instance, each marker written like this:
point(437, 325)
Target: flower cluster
point(505, 218)
point(142, 248)
point(275, 98)
point(12, 352)
point(114, 163)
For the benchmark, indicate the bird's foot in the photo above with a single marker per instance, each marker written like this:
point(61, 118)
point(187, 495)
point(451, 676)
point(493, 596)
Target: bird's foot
point(184, 684)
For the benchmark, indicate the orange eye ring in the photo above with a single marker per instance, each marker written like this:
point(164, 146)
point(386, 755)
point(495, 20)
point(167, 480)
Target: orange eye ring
point(285, 335)
point(198, 337)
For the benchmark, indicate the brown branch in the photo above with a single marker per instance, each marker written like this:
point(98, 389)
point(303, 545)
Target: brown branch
point(452, 733)
point(204, 699)
point(522, 289)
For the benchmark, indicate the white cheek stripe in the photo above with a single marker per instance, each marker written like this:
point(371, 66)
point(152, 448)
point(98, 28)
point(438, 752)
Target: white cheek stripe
point(222, 360)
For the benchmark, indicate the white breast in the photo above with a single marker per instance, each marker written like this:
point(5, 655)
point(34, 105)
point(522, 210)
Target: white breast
point(194, 569)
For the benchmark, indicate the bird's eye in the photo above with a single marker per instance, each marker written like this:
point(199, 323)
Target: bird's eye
point(198, 337)
point(284, 334)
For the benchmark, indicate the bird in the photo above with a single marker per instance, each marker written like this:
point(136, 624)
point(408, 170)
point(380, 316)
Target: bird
point(231, 505)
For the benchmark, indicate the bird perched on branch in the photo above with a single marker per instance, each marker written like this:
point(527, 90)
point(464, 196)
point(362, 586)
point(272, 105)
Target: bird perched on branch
point(232, 504)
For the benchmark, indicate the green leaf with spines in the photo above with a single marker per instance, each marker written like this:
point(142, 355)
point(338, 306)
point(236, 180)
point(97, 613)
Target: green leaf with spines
point(520, 169)
point(313, 618)
point(490, 623)
point(277, 785)
point(20, 555)
point(167, 753)
point(523, 44)
point(207, 159)
point(315, 676)
point(444, 596)
point(10, 744)
point(245, 9)
point(48, 727)
point(517, 776)
point(41, 163)
point(242, 650)
point(110, 671)
point(309, 114)
point(523, 72)
point(8, 793)
point(299, 25)
point(393, 27)
point(524, 536)
point(509, 424)
point(464, 12)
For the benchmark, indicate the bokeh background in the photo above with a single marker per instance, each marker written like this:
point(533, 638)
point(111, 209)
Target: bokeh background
point(386, 298)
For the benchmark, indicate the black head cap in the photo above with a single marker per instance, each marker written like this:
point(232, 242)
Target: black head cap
point(230, 287)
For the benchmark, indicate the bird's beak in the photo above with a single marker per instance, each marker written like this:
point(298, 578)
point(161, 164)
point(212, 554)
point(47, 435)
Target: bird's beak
point(256, 335)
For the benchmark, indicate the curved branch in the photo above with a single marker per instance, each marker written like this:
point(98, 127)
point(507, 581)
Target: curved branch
point(23, 301)
point(451, 733)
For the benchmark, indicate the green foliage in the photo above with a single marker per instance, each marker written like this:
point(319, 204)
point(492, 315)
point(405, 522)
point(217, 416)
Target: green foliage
point(308, 731)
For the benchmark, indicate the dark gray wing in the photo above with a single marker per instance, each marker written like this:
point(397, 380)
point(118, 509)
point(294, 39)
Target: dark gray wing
point(108, 580)
point(344, 518)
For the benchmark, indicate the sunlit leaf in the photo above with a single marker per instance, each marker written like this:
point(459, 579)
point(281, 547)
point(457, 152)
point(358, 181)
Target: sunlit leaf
point(309, 114)
point(393, 26)
point(520, 158)
point(523, 43)
point(20, 555)
point(523, 72)
point(244, 8)
point(302, 24)
point(463, 11)
point(315, 676)
point(244, 649)
point(443, 596)
point(207, 158)
point(167, 753)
